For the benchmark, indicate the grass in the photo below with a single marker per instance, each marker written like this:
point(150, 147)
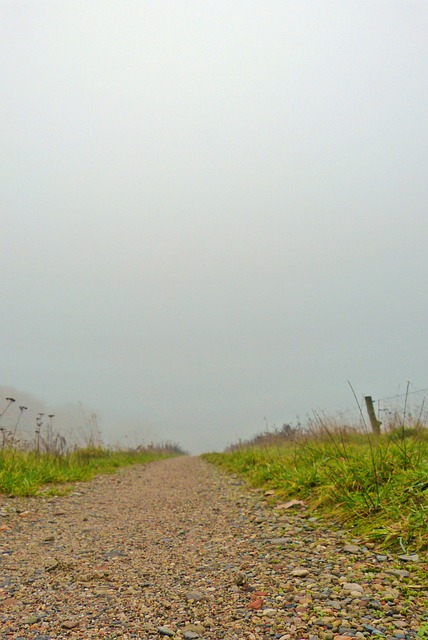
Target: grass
point(379, 488)
point(24, 473)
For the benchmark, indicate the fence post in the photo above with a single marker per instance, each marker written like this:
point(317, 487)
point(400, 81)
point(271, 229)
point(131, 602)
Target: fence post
point(375, 423)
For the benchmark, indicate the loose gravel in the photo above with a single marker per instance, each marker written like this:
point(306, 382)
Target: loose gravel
point(179, 549)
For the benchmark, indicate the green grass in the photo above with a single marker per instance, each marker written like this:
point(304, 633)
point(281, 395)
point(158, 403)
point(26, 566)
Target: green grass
point(378, 489)
point(26, 473)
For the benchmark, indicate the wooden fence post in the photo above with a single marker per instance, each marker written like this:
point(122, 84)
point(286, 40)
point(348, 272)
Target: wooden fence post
point(375, 423)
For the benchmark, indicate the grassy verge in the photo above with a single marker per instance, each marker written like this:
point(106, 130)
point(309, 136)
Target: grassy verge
point(24, 473)
point(378, 489)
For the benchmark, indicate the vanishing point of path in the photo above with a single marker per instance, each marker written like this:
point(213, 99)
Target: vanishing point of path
point(179, 548)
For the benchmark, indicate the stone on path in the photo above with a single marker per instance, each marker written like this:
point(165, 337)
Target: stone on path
point(352, 586)
point(281, 542)
point(194, 595)
point(409, 558)
point(166, 631)
point(351, 548)
point(300, 573)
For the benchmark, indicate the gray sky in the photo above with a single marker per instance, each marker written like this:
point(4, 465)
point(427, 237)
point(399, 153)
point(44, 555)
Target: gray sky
point(213, 212)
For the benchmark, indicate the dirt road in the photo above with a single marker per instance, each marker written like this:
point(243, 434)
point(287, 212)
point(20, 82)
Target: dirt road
point(179, 548)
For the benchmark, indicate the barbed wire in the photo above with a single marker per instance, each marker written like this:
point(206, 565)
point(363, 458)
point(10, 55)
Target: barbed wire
point(401, 395)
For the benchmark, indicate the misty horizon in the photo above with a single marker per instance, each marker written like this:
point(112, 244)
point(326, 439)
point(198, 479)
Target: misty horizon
point(82, 426)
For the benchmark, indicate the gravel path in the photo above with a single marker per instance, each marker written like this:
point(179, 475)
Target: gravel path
point(179, 548)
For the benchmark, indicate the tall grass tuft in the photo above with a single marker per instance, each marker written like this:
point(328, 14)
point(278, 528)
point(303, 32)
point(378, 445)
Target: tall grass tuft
point(30, 460)
point(379, 487)
point(24, 473)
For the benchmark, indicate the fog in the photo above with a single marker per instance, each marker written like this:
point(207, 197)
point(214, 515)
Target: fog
point(214, 214)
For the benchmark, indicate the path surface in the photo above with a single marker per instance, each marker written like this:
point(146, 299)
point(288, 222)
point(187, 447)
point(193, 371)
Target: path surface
point(179, 547)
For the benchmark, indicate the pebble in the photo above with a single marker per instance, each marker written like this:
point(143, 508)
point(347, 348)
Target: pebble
point(282, 542)
point(300, 573)
point(373, 630)
point(115, 553)
point(240, 578)
point(70, 624)
point(31, 620)
point(198, 628)
point(194, 595)
point(409, 558)
point(351, 548)
point(345, 631)
point(354, 587)
point(398, 573)
point(166, 631)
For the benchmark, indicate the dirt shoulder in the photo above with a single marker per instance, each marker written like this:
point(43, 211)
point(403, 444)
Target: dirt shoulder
point(178, 547)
